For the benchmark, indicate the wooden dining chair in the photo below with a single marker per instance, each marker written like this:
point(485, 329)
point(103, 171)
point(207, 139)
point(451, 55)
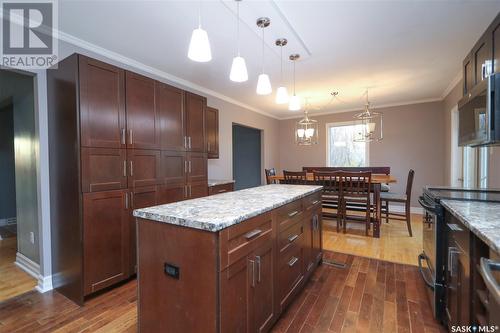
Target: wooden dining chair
point(330, 196)
point(355, 190)
point(387, 197)
point(269, 173)
point(295, 177)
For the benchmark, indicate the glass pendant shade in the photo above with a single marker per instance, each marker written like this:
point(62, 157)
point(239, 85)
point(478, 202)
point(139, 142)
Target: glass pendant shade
point(264, 85)
point(294, 104)
point(371, 125)
point(306, 131)
point(282, 95)
point(199, 46)
point(238, 70)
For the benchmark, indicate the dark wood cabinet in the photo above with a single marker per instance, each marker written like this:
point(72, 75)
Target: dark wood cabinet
point(220, 188)
point(143, 121)
point(468, 77)
point(195, 122)
point(170, 107)
point(103, 169)
point(481, 57)
point(212, 131)
point(106, 239)
point(197, 190)
point(102, 104)
point(174, 168)
point(144, 167)
point(196, 167)
point(495, 31)
point(263, 307)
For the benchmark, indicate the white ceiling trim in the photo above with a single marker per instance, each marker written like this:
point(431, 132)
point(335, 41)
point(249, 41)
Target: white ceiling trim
point(382, 106)
point(452, 84)
point(151, 70)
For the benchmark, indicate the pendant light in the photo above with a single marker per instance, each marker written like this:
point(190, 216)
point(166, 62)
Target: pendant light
point(306, 131)
point(199, 46)
point(294, 104)
point(282, 92)
point(371, 122)
point(263, 83)
point(239, 71)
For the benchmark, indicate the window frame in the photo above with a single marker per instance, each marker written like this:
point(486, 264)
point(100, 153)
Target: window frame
point(327, 137)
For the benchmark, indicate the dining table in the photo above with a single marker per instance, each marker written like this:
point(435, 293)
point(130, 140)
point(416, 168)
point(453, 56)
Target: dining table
point(376, 184)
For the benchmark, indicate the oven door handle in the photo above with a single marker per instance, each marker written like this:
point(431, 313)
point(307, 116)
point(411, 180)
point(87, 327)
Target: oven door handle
point(422, 256)
point(486, 267)
point(426, 206)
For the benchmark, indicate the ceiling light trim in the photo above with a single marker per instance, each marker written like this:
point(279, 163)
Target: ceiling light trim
point(151, 70)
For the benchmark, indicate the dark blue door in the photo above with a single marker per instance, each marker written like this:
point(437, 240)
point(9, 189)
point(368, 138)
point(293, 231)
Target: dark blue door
point(246, 157)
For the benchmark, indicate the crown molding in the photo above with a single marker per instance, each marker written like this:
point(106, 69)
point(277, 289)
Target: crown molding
point(156, 72)
point(382, 106)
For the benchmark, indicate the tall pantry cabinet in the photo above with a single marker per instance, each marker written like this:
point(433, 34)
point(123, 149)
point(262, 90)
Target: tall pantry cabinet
point(118, 141)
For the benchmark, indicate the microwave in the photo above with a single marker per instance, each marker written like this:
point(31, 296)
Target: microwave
point(479, 114)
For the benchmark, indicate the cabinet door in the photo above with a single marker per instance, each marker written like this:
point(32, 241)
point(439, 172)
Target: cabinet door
point(496, 45)
point(468, 75)
point(482, 58)
point(143, 122)
point(174, 167)
point(212, 122)
point(102, 104)
point(143, 167)
point(141, 197)
point(170, 107)
point(198, 190)
point(195, 122)
point(236, 282)
point(263, 292)
point(197, 167)
point(317, 240)
point(169, 194)
point(105, 239)
point(103, 169)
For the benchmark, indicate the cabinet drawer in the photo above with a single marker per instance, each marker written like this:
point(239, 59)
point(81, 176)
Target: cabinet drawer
point(216, 189)
point(290, 236)
point(290, 273)
point(239, 240)
point(289, 214)
point(311, 201)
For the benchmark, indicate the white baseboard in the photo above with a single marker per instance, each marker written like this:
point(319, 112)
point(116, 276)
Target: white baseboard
point(33, 269)
point(401, 209)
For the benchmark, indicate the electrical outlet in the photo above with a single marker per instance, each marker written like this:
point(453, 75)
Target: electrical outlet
point(32, 237)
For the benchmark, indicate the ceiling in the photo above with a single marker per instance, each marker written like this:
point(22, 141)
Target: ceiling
point(404, 51)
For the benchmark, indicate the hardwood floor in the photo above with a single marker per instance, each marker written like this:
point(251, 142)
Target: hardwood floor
point(13, 280)
point(394, 244)
point(368, 296)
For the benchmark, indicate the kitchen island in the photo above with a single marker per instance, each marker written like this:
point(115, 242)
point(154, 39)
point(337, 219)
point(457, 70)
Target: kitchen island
point(231, 262)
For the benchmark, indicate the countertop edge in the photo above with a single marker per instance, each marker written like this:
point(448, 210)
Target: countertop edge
point(215, 182)
point(448, 204)
point(209, 227)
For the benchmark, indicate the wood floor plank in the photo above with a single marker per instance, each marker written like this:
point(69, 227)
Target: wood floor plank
point(364, 313)
point(300, 317)
point(390, 283)
point(402, 314)
point(416, 320)
point(357, 295)
point(326, 316)
point(340, 313)
point(390, 322)
point(350, 321)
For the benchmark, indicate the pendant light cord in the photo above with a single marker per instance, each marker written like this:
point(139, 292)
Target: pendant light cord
point(294, 78)
point(199, 14)
point(281, 63)
point(263, 50)
point(238, 26)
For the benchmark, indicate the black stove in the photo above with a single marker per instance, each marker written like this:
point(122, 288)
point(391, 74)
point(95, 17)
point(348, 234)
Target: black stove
point(437, 193)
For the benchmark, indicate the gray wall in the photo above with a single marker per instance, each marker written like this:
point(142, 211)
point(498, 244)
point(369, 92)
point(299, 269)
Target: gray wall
point(7, 165)
point(413, 138)
point(21, 89)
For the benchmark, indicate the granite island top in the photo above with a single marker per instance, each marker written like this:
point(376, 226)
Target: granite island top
point(482, 218)
point(220, 211)
point(215, 182)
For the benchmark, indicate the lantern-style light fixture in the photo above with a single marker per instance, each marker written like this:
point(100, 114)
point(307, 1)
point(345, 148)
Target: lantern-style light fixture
point(263, 82)
point(371, 122)
point(239, 71)
point(199, 46)
point(294, 104)
point(281, 92)
point(306, 131)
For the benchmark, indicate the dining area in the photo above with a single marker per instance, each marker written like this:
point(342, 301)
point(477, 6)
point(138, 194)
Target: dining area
point(355, 195)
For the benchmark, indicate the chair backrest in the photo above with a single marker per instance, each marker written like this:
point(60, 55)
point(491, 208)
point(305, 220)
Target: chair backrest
point(330, 180)
point(409, 184)
point(356, 184)
point(269, 173)
point(373, 170)
point(295, 177)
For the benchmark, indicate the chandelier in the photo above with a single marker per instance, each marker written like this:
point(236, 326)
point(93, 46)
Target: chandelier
point(371, 122)
point(306, 131)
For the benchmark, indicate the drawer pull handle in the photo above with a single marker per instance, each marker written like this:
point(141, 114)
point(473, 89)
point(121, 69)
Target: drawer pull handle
point(295, 212)
point(293, 261)
point(315, 202)
point(252, 234)
point(292, 238)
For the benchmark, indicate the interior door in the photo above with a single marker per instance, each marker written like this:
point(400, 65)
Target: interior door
point(247, 166)
point(143, 121)
point(263, 293)
point(195, 122)
point(106, 239)
point(102, 104)
point(170, 107)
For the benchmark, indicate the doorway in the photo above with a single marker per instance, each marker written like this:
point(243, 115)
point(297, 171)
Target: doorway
point(19, 246)
point(247, 165)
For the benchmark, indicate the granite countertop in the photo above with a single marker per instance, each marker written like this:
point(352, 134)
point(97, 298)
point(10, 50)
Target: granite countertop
point(220, 211)
point(215, 182)
point(482, 218)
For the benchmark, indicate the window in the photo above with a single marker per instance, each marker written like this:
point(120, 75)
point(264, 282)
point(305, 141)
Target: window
point(475, 167)
point(342, 151)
